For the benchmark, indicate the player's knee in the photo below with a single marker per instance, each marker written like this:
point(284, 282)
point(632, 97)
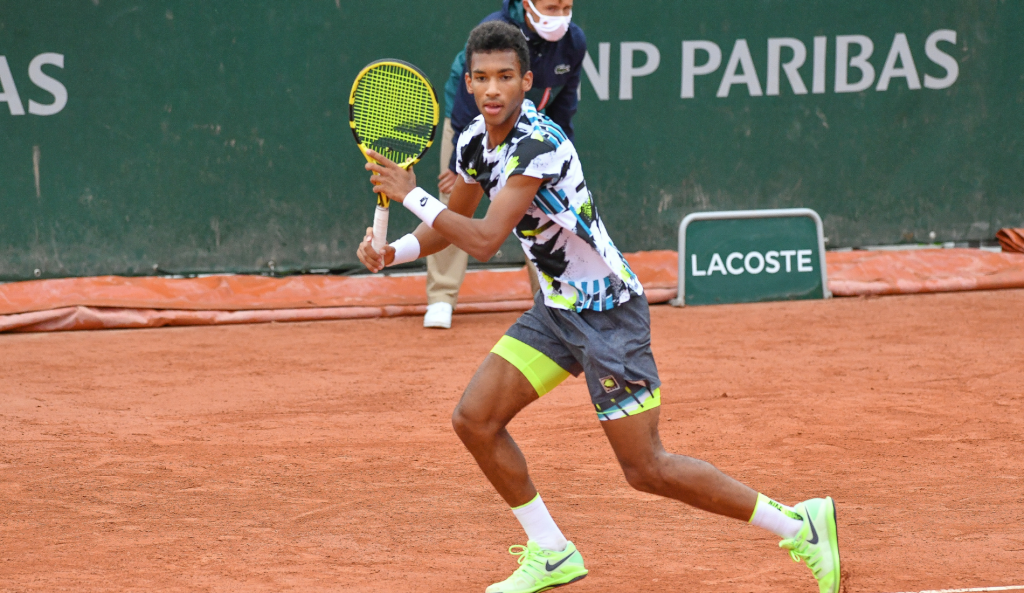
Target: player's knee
point(644, 476)
point(461, 423)
point(468, 427)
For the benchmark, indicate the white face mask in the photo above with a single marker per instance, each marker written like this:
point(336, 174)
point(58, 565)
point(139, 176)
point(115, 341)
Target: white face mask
point(550, 28)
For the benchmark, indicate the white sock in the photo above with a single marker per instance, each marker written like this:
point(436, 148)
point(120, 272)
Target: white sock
point(776, 517)
point(539, 525)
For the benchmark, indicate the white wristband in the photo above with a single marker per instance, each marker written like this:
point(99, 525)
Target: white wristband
point(407, 249)
point(425, 206)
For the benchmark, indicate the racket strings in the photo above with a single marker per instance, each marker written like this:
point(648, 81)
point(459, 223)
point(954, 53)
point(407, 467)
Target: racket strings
point(394, 112)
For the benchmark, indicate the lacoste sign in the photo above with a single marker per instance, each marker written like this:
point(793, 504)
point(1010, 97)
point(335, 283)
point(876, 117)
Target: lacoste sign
point(750, 256)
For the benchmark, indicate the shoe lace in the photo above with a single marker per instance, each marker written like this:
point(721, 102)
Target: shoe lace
point(799, 550)
point(529, 563)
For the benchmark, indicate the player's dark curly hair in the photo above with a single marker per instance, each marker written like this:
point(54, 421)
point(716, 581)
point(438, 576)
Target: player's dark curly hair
point(498, 36)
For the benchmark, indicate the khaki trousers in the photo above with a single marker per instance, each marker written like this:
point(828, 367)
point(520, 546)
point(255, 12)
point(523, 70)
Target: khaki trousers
point(446, 269)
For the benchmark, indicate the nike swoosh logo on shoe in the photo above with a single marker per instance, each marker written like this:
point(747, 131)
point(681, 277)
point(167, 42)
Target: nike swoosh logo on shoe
point(814, 532)
point(550, 567)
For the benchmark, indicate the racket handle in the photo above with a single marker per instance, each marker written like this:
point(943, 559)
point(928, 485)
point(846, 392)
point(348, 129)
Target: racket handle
point(380, 228)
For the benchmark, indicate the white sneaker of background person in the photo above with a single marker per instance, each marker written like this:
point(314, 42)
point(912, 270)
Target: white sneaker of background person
point(439, 315)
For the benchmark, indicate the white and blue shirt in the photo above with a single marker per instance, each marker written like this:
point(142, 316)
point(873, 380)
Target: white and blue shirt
point(562, 234)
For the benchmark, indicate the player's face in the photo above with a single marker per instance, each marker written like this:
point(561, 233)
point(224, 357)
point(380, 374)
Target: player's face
point(497, 85)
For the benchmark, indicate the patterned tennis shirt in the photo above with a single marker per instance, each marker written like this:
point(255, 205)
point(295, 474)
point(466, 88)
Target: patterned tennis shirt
point(579, 266)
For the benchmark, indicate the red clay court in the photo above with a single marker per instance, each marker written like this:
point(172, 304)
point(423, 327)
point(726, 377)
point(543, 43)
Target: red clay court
point(203, 391)
point(319, 456)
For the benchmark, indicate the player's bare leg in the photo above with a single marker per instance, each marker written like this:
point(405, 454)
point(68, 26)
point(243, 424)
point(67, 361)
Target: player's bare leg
point(497, 392)
point(650, 468)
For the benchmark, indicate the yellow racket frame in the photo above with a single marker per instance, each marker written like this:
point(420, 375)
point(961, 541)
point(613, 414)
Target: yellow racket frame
point(382, 200)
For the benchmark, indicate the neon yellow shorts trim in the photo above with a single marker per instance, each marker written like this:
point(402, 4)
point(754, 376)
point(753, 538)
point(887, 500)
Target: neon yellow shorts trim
point(640, 402)
point(542, 372)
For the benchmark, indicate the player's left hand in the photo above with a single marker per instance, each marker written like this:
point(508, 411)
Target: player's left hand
point(374, 261)
point(390, 179)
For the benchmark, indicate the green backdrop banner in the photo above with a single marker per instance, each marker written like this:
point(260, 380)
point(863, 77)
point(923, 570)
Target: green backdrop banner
point(182, 136)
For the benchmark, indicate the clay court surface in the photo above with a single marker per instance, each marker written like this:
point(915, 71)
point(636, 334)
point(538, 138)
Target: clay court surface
point(319, 456)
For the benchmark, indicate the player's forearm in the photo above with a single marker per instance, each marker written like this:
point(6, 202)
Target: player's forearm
point(480, 238)
point(430, 240)
point(464, 200)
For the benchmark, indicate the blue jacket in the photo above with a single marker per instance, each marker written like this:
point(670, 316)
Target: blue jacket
point(556, 70)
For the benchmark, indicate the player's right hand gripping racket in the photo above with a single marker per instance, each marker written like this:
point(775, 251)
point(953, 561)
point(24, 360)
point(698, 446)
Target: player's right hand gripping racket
point(392, 110)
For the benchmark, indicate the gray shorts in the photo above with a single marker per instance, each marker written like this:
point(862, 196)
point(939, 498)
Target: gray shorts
point(612, 348)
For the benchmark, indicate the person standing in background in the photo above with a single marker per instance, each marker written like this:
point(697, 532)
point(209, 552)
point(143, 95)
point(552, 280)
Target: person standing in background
point(557, 47)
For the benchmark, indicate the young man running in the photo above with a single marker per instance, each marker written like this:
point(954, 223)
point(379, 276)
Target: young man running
point(591, 316)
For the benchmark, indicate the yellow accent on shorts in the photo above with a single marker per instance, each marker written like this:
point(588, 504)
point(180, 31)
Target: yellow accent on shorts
point(542, 372)
point(630, 407)
point(650, 403)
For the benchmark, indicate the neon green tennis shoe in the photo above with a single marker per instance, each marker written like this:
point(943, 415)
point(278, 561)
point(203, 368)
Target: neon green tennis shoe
point(540, 570)
point(817, 544)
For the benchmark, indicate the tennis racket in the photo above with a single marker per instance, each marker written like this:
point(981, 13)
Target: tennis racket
point(393, 111)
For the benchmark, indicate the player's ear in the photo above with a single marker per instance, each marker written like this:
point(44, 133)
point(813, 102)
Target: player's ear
point(528, 81)
point(469, 83)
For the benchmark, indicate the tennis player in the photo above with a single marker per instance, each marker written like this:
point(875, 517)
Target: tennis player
point(591, 316)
